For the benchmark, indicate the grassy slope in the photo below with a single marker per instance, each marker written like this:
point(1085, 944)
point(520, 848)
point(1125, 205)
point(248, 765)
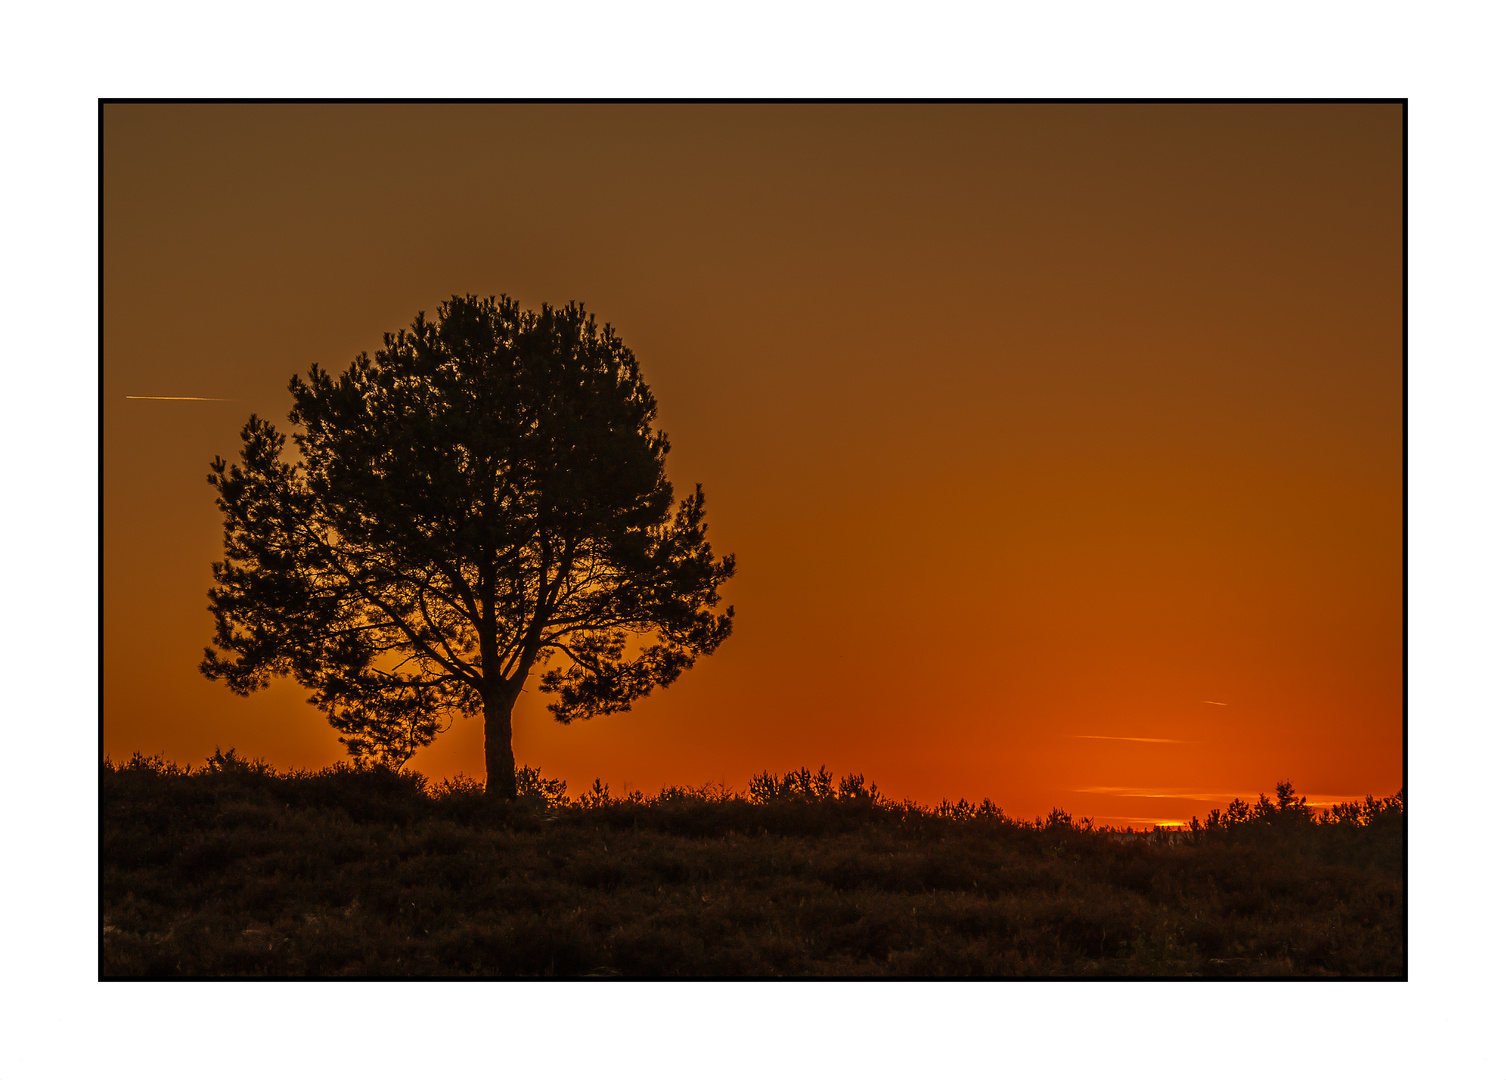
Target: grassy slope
point(243, 872)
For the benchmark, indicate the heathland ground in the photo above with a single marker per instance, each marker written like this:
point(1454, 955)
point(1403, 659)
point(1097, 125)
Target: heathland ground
point(234, 869)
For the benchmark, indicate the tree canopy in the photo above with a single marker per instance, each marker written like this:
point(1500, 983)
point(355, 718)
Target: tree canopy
point(484, 496)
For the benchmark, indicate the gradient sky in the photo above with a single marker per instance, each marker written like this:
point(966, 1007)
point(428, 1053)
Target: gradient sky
point(1060, 446)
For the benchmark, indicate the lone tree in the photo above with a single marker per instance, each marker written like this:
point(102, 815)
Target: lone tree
point(484, 495)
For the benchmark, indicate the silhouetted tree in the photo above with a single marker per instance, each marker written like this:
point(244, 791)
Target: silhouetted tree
point(484, 494)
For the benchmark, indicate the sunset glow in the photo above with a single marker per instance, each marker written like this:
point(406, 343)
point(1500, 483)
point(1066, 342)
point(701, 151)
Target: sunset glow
point(1026, 423)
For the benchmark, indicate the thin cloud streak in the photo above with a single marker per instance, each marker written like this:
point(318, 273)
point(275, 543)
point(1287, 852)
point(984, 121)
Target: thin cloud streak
point(1319, 801)
point(154, 397)
point(1207, 702)
point(1161, 793)
point(1124, 738)
point(1324, 802)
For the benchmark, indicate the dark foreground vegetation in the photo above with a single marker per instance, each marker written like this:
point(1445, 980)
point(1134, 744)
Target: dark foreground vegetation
point(234, 869)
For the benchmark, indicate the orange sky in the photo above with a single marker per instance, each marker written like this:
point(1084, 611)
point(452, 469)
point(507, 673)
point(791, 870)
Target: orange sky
point(1034, 429)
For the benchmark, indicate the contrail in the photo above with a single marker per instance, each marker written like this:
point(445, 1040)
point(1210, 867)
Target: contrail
point(1124, 738)
point(1206, 702)
point(154, 397)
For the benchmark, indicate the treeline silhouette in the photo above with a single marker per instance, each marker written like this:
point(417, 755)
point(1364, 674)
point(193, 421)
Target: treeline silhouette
point(234, 868)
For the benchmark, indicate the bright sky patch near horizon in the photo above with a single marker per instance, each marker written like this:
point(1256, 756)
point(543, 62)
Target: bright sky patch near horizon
point(1021, 419)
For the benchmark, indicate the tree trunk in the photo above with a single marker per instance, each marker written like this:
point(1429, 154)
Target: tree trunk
point(501, 769)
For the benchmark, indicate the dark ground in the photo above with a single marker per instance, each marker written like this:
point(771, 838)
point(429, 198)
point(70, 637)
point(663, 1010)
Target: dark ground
point(233, 869)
